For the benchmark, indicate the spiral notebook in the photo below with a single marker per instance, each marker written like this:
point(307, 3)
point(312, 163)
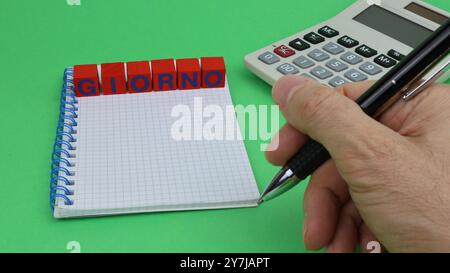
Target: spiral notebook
point(115, 155)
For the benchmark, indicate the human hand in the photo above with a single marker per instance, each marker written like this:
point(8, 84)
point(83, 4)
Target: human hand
point(388, 180)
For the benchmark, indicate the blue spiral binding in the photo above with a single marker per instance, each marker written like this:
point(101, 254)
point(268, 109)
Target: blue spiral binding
point(61, 175)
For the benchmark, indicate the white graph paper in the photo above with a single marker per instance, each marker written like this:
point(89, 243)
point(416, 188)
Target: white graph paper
point(128, 162)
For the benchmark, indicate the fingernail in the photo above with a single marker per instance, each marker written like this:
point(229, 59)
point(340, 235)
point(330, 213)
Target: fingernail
point(274, 143)
point(284, 86)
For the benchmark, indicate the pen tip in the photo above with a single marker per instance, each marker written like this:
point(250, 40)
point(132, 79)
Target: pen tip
point(260, 200)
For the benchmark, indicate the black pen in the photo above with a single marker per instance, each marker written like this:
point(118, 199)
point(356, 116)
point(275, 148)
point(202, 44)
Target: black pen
point(405, 80)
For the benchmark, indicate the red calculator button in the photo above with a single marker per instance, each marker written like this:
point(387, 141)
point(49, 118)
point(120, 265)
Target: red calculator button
point(284, 51)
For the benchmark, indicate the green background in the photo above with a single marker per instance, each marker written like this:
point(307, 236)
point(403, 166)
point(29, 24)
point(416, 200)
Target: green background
point(40, 38)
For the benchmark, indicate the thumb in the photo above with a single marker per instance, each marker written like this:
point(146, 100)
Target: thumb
point(331, 119)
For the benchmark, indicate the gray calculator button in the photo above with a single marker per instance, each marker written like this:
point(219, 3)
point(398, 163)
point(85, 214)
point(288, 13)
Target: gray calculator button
point(355, 75)
point(333, 48)
point(370, 68)
point(336, 65)
point(303, 62)
point(287, 69)
point(336, 81)
point(318, 55)
point(321, 73)
point(351, 58)
point(268, 58)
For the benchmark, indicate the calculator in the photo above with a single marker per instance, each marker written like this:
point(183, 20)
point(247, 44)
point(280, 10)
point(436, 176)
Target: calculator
point(361, 43)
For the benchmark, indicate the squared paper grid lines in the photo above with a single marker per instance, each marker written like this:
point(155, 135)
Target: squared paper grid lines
point(127, 160)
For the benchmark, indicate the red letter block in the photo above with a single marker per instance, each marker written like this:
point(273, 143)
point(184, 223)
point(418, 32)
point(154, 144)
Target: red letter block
point(213, 72)
point(139, 77)
point(85, 80)
point(113, 79)
point(188, 71)
point(164, 75)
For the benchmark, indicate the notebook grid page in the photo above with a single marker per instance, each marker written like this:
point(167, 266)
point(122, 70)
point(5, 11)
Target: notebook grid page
point(127, 158)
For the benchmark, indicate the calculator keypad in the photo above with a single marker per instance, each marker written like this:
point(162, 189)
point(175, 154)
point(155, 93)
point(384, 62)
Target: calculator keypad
point(328, 32)
point(303, 62)
point(336, 65)
point(284, 51)
point(385, 61)
point(351, 58)
point(395, 54)
point(370, 68)
point(366, 51)
point(347, 41)
point(299, 44)
point(333, 48)
point(321, 73)
point(313, 38)
point(355, 75)
point(337, 61)
point(337, 81)
point(318, 55)
point(286, 69)
point(268, 58)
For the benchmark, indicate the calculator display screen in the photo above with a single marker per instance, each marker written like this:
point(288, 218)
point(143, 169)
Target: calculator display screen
point(427, 13)
point(393, 25)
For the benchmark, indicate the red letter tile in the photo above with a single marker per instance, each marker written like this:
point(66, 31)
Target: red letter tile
point(139, 77)
point(85, 79)
point(213, 72)
point(164, 75)
point(188, 71)
point(113, 79)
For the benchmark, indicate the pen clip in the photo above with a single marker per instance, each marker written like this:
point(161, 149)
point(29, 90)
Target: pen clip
point(427, 77)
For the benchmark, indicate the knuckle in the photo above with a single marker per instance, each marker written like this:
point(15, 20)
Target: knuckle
point(344, 89)
point(341, 89)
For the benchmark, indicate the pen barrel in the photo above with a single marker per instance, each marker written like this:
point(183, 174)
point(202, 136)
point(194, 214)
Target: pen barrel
point(310, 157)
point(383, 91)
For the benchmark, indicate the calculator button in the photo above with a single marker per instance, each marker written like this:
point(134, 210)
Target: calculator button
point(303, 62)
point(318, 55)
point(286, 69)
point(268, 58)
point(299, 44)
point(333, 48)
point(313, 38)
point(384, 61)
point(366, 51)
point(351, 58)
point(321, 72)
point(336, 81)
point(355, 76)
point(284, 51)
point(336, 65)
point(395, 54)
point(328, 32)
point(370, 68)
point(347, 41)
